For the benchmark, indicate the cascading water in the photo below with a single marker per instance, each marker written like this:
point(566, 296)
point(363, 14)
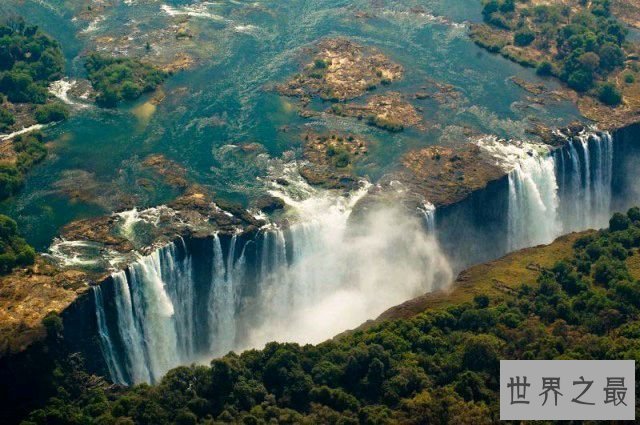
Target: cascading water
point(305, 282)
point(533, 202)
point(552, 193)
point(106, 345)
point(428, 210)
point(155, 315)
point(584, 172)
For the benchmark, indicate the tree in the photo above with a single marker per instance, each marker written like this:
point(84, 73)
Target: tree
point(634, 214)
point(14, 251)
point(580, 80)
point(524, 37)
point(611, 56)
point(619, 222)
point(544, 68)
point(609, 94)
point(51, 112)
point(507, 6)
point(6, 119)
point(589, 61)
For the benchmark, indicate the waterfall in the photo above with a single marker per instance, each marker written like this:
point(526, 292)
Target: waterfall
point(129, 330)
point(106, 345)
point(585, 173)
point(304, 282)
point(428, 211)
point(222, 297)
point(533, 202)
point(155, 313)
point(553, 193)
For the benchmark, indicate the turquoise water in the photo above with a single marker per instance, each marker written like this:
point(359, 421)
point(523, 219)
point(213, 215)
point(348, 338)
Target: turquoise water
point(227, 98)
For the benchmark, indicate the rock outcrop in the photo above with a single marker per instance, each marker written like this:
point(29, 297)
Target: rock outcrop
point(389, 111)
point(341, 70)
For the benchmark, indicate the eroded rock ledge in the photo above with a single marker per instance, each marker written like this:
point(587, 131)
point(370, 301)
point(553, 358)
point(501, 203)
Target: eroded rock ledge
point(89, 250)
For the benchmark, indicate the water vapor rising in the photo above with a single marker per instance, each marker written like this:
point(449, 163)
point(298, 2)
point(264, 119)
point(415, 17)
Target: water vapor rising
point(305, 282)
point(343, 278)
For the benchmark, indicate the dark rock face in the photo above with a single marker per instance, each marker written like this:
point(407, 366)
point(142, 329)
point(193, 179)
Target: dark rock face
point(626, 167)
point(474, 230)
point(269, 204)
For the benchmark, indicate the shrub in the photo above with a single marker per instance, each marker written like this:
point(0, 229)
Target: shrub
point(609, 94)
point(385, 124)
point(341, 159)
point(524, 37)
point(320, 63)
point(619, 222)
point(6, 119)
point(629, 78)
point(51, 112)
point(544, 68)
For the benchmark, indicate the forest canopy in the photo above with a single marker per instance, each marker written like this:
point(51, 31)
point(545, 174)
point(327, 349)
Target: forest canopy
point(29, 61)
point(29, 150)
point(118, 79)
point(14, 250)
point(581, 43)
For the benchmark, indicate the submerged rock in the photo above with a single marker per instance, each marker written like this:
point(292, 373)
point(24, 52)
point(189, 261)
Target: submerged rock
point(173, 173)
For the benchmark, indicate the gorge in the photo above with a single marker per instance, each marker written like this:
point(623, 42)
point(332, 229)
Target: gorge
point(321, 273)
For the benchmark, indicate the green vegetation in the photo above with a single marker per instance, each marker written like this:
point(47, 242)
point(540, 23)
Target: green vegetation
point(629, 78)
point(14, 251)
point(609, 94)
point(339, 156)
point(320, 64)
point(30, 150)
point(544, 68)
point(6, 119)
point(51, 112)
point(524, 37)
point(440, 366)
point(29, 61)
point(581, 43)
point(118, 79)
point(385, 124)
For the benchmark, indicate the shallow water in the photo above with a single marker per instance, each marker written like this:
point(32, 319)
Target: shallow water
point(226, 99)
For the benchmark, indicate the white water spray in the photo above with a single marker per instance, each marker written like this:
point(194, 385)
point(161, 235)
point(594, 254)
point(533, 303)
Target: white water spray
point(555, 193)
point(303, 283)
